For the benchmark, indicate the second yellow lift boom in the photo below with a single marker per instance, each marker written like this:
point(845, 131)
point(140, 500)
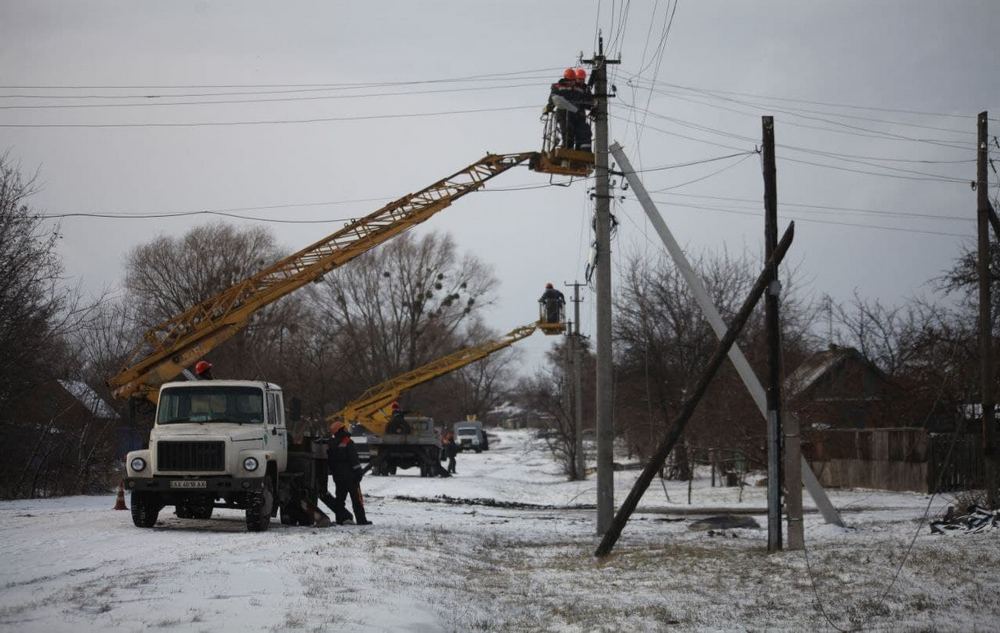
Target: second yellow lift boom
point(373, 409)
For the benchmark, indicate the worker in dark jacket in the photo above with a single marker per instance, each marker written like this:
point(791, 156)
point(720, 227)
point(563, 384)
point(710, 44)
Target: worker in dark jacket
point(345, 467)
point(583, 99)
point(553, 300)
point(450, 450)
point(563, 98)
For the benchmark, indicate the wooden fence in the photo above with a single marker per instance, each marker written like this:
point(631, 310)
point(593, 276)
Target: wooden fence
point(895, 459)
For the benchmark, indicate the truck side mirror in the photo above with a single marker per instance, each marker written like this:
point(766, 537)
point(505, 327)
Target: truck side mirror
point(296, 412)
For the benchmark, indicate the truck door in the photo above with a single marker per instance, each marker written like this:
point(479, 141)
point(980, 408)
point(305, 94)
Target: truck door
point(277, 437)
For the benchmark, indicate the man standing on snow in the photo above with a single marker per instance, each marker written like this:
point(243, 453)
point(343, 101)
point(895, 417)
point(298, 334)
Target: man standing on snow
point(345, 466)
point(450, 450)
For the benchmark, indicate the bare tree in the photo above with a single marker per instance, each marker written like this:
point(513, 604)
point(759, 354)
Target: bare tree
point(402, 305)
point(168, 275)
point(662, 341)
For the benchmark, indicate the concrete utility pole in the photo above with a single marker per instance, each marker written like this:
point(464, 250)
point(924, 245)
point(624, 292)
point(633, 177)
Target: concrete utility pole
point(605, 420)
point(985, 316)
point(576, 349)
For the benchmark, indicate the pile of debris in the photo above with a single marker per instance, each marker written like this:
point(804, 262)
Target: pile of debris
point(976, 519)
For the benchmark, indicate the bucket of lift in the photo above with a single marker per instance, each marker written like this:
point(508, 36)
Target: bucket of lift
point(546, 324)
point(557, 160)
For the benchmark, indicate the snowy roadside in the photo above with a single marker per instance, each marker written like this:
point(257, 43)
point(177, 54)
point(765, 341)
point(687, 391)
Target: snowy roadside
point(72, 564)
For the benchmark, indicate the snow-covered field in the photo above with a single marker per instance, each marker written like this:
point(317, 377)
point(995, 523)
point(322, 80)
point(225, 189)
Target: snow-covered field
point(75, 565)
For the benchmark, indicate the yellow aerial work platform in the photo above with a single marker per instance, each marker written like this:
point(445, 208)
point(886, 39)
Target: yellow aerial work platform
point(557, 160)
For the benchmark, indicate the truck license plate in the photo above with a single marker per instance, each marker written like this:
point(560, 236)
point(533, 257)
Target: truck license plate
point(185, 483)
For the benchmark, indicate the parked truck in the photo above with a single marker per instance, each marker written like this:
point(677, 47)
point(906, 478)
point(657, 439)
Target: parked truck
point(470, 436)
point(225, 444)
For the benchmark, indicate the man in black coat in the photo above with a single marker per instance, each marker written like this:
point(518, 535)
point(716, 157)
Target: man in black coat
point(345, 467)
point(553, 300)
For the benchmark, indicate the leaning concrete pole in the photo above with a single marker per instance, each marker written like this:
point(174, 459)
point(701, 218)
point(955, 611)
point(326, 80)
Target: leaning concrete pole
point(740, 362)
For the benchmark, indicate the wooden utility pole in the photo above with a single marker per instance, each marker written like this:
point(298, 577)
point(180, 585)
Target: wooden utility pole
point(746, 373)
point(989, 450)
point(576, 349)
point(602, 194)
point(790, 467)
point(655, 462)
point(774, 345)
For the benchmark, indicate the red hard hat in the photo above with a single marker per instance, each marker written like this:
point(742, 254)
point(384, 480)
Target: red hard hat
point(395, 406)
point(569, 73)
point(202, 366)
point(581, 74)
point(548, 285)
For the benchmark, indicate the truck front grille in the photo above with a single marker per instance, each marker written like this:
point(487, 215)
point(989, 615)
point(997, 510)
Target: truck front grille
point(191, 456)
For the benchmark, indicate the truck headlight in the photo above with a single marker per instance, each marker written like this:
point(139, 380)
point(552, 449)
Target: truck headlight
point(138, 464)
point(250, 464)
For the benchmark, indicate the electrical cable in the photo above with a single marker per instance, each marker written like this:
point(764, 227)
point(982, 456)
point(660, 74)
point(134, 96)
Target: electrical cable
point(327, 85)
point(746, 155)
point(157, 104)
point(812, 220)
point(366, 117)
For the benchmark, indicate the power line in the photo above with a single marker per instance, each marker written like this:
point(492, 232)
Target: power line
point(265, 122)
point(327, 85)
point(813, 220)
point(826, 103)
point(717, 95)
point(154, 104)
point(857, 210)
point(706, 177)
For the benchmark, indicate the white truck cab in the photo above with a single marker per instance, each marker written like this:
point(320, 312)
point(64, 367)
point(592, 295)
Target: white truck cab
point(213, 440)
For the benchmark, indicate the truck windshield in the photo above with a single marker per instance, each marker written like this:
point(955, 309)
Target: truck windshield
point(467, 431)
point(242, 405)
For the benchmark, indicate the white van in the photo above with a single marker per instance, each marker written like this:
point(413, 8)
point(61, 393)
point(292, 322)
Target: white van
point(470, 436)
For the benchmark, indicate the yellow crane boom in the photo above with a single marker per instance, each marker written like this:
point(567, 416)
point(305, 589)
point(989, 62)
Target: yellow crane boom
point(180, 341)
point(373, 409)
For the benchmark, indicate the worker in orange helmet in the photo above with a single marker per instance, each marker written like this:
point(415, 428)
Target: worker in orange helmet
point(584, 100)
point(553, 300)
point(203, 370)
point(562, 97)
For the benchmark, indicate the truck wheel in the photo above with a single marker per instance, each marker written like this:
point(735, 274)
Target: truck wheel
point(259, 507)
point(183, 511)
point(145, 509)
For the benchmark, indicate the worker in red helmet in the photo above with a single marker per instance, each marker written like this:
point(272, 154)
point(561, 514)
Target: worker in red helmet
point(584, 100)
point(562, 97)
point(553, 301)
point(345, 466)
point(203, 370)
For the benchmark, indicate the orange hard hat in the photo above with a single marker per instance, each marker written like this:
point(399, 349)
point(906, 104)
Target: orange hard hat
point(202, 366)
point(581, 74)
point(569, 73)
point(336, 426)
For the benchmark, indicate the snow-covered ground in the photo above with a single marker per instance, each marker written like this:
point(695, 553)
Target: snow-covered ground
point(73, 564)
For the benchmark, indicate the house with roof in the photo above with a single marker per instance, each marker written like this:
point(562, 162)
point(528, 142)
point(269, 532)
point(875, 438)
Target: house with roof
point(838, 388)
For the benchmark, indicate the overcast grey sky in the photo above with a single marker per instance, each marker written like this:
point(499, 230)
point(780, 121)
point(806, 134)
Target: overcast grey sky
point(840, 78)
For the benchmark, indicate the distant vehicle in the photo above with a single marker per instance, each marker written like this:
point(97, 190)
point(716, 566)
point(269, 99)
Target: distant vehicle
point(470, 436)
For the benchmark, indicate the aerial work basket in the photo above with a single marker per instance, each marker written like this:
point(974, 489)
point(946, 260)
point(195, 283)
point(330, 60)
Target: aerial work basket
point(555, 159)
point(551, 319)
